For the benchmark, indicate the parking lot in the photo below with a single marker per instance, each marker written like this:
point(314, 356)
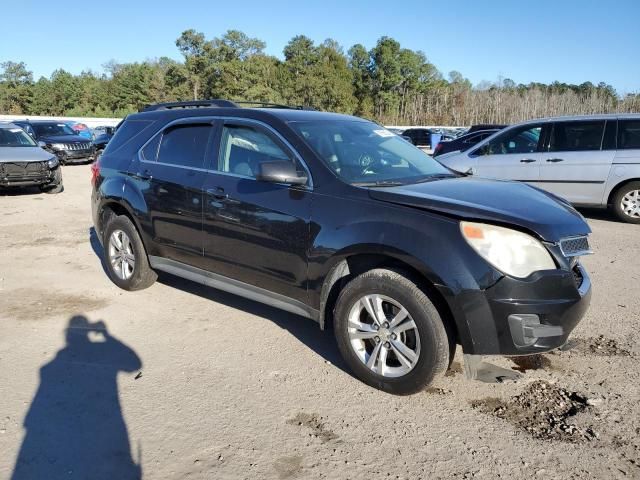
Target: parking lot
point(196, 383)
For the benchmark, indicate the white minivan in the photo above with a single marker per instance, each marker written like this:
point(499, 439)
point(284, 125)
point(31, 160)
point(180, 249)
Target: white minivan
point(590, 160)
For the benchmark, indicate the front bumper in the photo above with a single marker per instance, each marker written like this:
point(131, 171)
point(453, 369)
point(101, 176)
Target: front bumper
point(524, 316)
point(76, 156)
point(24, 175)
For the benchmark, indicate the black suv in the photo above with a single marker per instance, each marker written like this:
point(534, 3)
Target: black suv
point(60, 139)
point(339, 220)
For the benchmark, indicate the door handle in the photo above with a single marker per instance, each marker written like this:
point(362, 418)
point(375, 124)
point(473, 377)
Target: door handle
point(145, 175)
point(217, 193)
point(555, 160)
point(527, 160)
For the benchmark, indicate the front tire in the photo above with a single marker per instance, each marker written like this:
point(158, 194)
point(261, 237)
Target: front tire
point(389, 332)
point(125, 256)
point(56, 186)
point(626, 203)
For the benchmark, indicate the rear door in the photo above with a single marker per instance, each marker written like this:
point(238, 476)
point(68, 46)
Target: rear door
point(172, 166)
point(512, 155)
point(578, 159)
point(256, 232)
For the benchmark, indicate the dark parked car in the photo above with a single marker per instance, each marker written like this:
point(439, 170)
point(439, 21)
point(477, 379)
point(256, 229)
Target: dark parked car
point(60, 139)
point(24, 164)
point(463, 142)
point(420, 137)
point(102, 139)
point(339, 220)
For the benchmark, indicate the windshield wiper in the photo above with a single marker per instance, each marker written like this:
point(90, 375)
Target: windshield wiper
point(435, 176)
point(379, 183)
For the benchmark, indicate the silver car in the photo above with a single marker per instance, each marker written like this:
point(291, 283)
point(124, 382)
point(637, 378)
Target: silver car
point(23, 163)
point(591, 160)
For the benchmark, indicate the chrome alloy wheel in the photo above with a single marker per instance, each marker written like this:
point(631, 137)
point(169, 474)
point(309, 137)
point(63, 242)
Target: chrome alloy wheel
point(384, 336)
point(121, 255)
point(630, 204)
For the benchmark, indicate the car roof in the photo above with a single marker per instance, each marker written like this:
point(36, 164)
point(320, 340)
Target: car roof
point(566, 118)
point(8, 125)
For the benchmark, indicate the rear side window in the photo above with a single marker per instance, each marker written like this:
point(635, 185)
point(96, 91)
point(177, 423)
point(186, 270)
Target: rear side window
point(184, 145)
point(576, 136)
point(125, 132)
point(629, 134)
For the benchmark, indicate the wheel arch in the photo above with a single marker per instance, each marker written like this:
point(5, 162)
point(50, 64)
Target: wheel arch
point(617, 188)
point(351, 265)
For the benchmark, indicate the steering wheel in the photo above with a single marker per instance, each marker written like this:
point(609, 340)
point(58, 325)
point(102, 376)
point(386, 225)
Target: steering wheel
point(367, 160)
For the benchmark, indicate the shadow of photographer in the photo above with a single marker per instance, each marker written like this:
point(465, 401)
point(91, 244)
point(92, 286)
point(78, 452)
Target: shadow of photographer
point(74, 426)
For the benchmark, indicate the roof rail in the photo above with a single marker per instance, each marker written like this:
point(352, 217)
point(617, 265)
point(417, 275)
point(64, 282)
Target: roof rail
point(190, 104)
point(272, 105)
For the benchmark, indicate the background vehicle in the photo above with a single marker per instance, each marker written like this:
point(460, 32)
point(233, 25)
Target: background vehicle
point(60, 139)
point(591, 161)
point(81, 129)
point(420, 137)
point(462, 143)
point(223, 195)
point(23, 163)
point(100, 141)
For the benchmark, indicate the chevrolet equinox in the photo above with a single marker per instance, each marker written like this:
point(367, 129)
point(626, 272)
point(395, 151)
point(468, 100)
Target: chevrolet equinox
point(335, 218)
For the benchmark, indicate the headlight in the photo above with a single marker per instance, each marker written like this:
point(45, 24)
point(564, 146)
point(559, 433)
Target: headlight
point(53, 162)
point(56, 146)
point(510, 251)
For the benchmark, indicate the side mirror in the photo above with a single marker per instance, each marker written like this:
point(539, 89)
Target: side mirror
point(41, 144)
point(280, 171)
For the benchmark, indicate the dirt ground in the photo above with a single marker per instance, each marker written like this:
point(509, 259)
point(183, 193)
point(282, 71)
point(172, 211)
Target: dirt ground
point(181, 381)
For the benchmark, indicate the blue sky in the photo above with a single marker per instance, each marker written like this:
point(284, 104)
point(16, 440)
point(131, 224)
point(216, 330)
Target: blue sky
point(567, 40)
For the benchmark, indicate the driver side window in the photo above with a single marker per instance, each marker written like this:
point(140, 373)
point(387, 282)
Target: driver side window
point(243, 148)
point(520, 140)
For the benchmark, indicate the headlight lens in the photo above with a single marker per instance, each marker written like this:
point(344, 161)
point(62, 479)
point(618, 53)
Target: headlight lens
point(510, 251)
point(53, 162)
point(57, 146)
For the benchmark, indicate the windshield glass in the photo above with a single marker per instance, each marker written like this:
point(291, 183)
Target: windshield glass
point(361, 152)
point(51, 129)
point(15, 137)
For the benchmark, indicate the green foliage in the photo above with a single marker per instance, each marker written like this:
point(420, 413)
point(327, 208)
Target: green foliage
point(388, 83)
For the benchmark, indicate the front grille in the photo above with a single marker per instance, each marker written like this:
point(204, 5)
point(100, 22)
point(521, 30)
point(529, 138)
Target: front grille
point(577, 276)
point(77, 146)
point(20, 170)
point(572, 247)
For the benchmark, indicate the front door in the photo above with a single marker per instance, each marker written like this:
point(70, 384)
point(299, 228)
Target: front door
point(172, 165)
point(256, 232)
point(512, 155)
point(578, 160)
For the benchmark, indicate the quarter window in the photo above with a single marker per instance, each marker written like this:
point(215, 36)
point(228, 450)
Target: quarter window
point(576, 136)
point(629, 134)
point(184, 145)
point(244, 148)
point(520, 140)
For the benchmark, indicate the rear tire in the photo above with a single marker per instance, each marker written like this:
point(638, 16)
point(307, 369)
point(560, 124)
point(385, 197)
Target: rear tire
point(626, 203)
point(126, 259)
point(403, 358)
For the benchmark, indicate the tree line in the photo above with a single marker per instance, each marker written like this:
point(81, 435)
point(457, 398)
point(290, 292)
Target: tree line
point(388, 83)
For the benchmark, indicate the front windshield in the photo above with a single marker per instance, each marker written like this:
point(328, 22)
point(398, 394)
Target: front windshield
point(51, 129)
point(15, 137)
point(363, 153)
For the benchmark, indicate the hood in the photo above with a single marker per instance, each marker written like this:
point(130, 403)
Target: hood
point(492, 201)
point(62, 139)
point(23, 154)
